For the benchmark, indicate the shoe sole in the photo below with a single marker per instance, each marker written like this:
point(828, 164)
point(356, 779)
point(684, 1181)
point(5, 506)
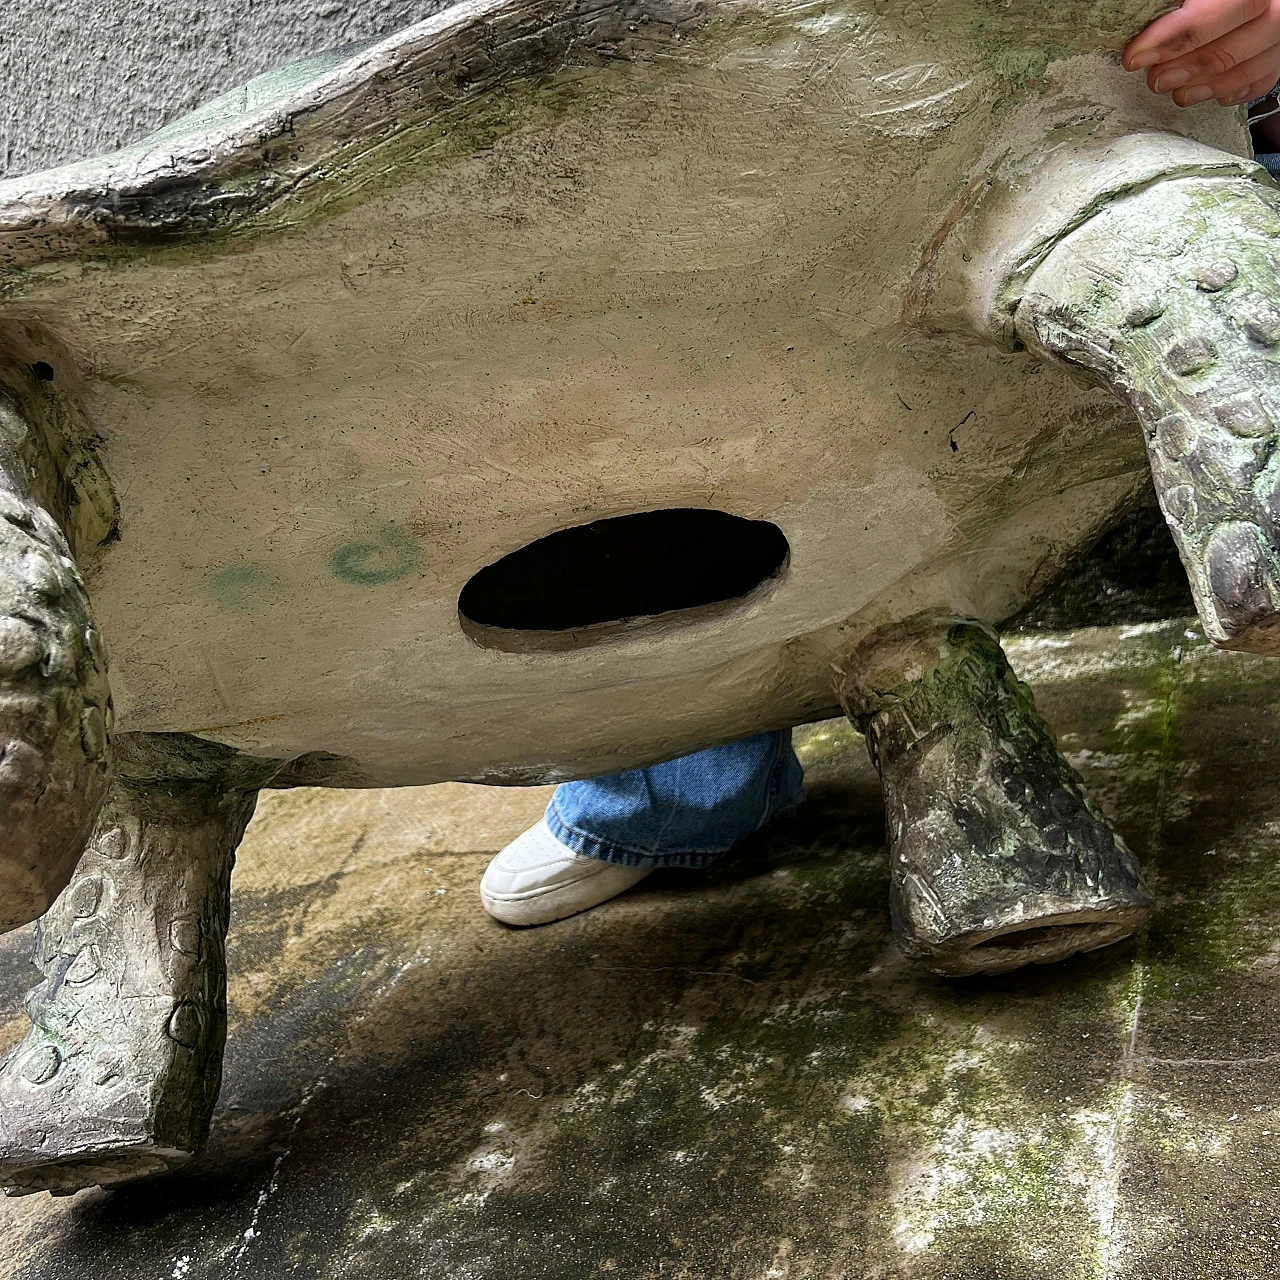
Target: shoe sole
point(528, 909)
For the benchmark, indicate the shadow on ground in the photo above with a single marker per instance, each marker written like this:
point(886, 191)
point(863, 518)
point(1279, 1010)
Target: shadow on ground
point(733, 1074)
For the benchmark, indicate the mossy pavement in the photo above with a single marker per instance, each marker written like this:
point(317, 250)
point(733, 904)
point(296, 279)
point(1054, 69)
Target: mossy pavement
point(733, 1074)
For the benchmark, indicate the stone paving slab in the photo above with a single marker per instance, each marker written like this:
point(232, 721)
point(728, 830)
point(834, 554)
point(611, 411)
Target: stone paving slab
point(732, 1074)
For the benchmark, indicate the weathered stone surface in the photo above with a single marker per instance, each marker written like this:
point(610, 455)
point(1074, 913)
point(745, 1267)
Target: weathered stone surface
point(119, 1073)
point(400, 313)
point(731, 1074)
point(96, 74)
point(1198, 374)
point(55, 704)
point(998, 858)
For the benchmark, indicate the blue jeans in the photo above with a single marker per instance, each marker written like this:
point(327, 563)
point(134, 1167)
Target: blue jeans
point(684, 813)
point(1270, 160)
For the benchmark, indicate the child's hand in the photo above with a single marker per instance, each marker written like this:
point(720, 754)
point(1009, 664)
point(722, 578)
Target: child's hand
point(1224, 49)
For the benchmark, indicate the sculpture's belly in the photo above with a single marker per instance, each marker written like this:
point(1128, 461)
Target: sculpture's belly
point(298, 558)
point(319, 438)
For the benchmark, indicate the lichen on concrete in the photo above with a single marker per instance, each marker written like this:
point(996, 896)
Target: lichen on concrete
point(732, 1073)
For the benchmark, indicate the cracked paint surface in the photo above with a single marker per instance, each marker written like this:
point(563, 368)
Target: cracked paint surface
point(732, 1073)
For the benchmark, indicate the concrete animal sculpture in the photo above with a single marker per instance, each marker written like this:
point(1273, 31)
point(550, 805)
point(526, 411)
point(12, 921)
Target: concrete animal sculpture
point(555, 388)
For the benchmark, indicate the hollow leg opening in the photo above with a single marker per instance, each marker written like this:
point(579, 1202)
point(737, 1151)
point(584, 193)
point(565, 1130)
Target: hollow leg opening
point(1044, 942)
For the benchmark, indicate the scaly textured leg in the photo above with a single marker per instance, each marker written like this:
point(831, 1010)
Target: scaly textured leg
point(121, 1069)
point(1171, 298)
point(998, 858)
point(55, 707)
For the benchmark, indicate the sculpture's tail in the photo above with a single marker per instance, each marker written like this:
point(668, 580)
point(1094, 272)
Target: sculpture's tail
point(1171, 296)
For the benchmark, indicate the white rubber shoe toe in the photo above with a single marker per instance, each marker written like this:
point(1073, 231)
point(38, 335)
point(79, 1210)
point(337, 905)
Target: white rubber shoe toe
point(536, 880)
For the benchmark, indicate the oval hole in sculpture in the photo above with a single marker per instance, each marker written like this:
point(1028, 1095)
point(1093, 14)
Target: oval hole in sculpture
point(594, 580)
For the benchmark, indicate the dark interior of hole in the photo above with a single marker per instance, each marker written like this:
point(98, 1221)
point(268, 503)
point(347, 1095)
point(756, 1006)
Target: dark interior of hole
point(1032, 937)
point(625, 567)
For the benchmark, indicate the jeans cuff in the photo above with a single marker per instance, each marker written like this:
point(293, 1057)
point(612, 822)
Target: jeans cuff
point(1270, 160)
point(590, 846)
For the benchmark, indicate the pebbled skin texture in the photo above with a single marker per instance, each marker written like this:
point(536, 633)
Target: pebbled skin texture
point(1170, 298)
point(55, 708)
point(120, 1071)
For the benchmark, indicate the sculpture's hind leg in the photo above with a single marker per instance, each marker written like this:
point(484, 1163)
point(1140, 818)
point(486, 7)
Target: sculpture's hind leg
point(120, 1071)
point(998, 857)
point(54, 702)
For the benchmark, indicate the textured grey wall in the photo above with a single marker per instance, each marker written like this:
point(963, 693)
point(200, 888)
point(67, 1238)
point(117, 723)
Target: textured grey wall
point(85, 76)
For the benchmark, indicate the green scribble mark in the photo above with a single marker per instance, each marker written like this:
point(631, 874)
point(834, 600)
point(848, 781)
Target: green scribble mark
point(242, 586)
point(389, 555)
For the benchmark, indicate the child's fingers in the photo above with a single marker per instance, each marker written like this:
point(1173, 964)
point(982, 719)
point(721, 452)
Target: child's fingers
point(1220, 56)
point(1240, 83)
point(1236, 85)
point(1197, 23)
point(1259, 89)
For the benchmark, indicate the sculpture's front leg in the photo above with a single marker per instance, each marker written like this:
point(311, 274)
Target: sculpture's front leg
point(998, 859)
point(55, 706)
point(120, 1071)
point(1171, 297)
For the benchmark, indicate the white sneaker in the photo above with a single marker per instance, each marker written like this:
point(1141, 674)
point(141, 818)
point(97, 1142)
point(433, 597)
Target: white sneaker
point(536, 880)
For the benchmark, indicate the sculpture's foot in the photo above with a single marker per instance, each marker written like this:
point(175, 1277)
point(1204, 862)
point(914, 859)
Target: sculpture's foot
point(998, 859)
point(112, 1165)
point(1170, 297)
point(55, 706)
point(119, 1074)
